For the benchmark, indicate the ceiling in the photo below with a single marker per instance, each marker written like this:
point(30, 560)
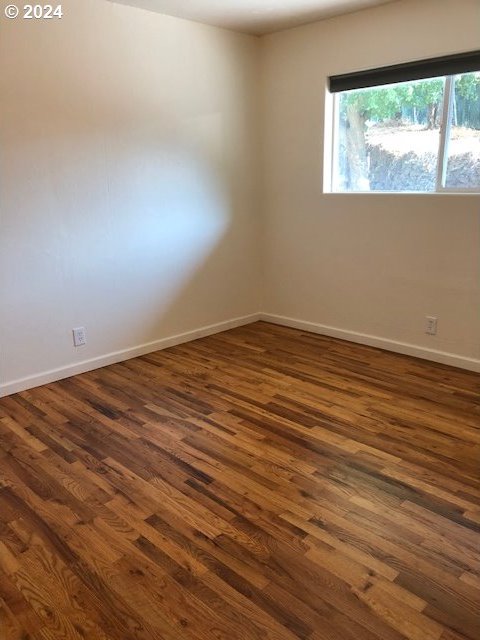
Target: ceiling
point(253, 16)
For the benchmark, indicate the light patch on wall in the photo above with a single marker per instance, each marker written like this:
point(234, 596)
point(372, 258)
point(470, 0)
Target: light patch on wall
point(143, 208)
point(171, 210)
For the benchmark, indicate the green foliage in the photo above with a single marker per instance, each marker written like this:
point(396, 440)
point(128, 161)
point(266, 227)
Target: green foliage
point(387, 102)
point(467, 93)
point(425, 93)
point(468, 86)
point(384, 103)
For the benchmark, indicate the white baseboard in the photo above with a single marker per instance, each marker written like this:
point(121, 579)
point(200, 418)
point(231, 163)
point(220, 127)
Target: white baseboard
point(45, 377)
point(452, 359)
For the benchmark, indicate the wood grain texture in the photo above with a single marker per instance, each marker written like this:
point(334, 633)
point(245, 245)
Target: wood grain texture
point(263, 483)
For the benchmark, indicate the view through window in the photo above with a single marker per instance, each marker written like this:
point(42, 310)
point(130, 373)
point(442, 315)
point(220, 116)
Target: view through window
point(421, 136)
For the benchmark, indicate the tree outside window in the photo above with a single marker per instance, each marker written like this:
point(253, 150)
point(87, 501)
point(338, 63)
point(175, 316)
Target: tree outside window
point(421, 136)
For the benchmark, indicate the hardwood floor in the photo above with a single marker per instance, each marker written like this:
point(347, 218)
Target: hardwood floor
point(263, 483)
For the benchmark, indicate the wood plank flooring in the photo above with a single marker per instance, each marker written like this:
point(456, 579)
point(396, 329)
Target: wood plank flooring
point(260, 484)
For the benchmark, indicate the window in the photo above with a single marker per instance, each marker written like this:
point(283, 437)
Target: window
point(418, 134)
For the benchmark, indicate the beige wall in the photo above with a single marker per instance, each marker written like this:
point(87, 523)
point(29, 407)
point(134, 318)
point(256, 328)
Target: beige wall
point(128, 184)
point(367, 264)
point(129, 201)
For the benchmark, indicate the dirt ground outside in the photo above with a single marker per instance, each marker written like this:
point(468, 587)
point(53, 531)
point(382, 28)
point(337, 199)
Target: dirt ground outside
point(404, 158)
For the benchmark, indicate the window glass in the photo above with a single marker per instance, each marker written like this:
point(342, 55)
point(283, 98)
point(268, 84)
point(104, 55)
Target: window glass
point(463, 165)
point(388, 137)
point(418, 136)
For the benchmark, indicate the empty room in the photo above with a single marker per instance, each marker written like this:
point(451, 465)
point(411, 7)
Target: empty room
point(240, 320)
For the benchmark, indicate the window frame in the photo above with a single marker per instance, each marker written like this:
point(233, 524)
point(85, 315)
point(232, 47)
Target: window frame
point(332, 110)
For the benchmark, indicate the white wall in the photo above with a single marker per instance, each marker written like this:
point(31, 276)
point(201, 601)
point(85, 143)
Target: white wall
point(368, 264)
point(128, 184)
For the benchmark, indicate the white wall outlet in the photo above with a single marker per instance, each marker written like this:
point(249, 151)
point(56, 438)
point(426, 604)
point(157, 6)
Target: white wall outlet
point(79, 336)
point(431, 326)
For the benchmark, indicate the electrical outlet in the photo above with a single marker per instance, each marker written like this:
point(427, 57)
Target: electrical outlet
point(431, 326)
point(79, 336)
